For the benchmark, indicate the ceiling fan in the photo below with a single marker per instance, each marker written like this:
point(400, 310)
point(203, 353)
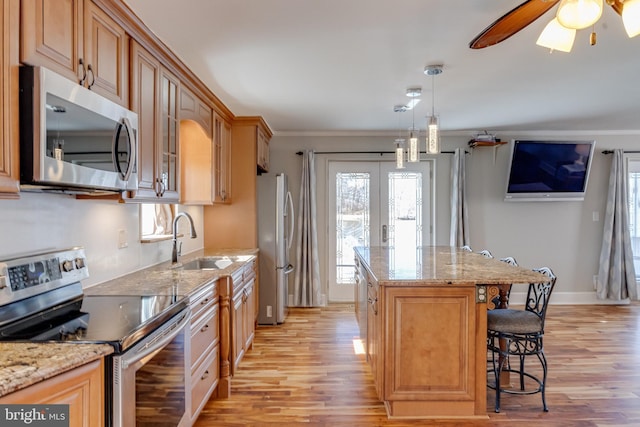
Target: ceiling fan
point(518, 18)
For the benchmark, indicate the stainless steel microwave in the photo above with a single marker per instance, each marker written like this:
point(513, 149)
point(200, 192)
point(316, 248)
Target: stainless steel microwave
point(73, 139)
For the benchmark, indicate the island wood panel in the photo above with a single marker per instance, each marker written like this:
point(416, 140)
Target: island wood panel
point(430, 351)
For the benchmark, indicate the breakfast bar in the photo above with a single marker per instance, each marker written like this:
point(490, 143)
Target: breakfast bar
point(422, 315)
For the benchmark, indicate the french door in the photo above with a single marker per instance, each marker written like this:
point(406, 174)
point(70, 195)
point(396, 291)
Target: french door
point(371, 204)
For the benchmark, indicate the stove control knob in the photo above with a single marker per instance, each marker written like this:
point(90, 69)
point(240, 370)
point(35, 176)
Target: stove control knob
point(67, 265)
point(79, 262)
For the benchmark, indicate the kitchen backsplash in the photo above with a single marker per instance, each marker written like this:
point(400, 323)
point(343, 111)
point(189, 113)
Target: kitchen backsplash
point(39, 222)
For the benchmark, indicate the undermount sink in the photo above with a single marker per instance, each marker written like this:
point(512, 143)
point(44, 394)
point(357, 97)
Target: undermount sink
point(214, 262)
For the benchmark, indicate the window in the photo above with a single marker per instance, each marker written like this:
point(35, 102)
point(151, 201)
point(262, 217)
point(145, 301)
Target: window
point(156, 221)
point(633, 188)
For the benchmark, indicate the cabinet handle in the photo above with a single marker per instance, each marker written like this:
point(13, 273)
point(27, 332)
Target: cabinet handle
point(203, 302)
point(204, 328)
point(159, 187)
point(93, 77)
point(205, 375)
point(84, 72)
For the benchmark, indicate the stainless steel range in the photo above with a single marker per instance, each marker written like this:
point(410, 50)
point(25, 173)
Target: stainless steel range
point(41, 299)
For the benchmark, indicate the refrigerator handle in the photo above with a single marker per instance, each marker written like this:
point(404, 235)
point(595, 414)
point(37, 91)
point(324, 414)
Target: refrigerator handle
point(291, 221)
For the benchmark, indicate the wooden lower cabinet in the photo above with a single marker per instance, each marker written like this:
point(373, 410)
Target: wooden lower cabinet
point(425, 348)
point(242, 314)
point(204, 347)
point(81, 388)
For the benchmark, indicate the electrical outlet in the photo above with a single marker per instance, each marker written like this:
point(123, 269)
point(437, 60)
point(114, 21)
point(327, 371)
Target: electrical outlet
point(122, 239)
point(269, 311)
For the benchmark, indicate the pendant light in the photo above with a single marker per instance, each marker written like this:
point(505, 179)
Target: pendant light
point(399, 141)
point(414, 147)
point(433, 129)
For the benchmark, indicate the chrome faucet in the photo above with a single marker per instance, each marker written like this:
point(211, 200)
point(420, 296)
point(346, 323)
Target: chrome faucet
point(177, 250)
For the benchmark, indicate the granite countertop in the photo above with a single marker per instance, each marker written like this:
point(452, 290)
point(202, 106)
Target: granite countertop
point(440, 265)
point(168, 279)
point(24, 364)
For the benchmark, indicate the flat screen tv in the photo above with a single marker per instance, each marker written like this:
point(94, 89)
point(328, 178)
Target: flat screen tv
point(548, 170)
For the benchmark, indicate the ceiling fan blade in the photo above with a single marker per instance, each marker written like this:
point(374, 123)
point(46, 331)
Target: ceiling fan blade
point(512, 22)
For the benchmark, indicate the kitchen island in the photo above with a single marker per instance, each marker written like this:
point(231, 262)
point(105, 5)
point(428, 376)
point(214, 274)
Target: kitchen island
point(423, 316)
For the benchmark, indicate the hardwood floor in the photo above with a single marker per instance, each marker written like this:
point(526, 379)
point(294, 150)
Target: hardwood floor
point(306, 372)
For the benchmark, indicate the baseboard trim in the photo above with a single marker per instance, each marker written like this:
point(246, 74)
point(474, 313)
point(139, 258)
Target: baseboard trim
point(568, 298)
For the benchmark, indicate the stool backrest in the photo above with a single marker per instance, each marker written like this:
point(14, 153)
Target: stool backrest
point(539, 294)
point(509, 260)
point(485, 253)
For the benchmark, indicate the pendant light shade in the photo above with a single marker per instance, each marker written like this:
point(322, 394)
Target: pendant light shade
point(399, 142)
point(433, 123)
point(579, 14)
point(414, 151)
point(399, 153)
point(433, 135)
point(557, 37)
point(631, 17)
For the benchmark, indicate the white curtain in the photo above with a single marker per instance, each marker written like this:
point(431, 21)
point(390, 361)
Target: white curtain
point(617, 277)
point(459, 235)
point(307, 284)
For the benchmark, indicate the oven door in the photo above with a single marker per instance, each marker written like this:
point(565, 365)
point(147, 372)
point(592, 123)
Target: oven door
point(149, 380)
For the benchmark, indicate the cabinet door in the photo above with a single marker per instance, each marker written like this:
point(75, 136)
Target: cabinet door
point(249, 314)
point(145, 100)
point(237, 330)
point(168, 150)
point(106, 52)
point(51, 35)
point(9, 143)
point(263, 151)
point(80, 388)
point(222, 160)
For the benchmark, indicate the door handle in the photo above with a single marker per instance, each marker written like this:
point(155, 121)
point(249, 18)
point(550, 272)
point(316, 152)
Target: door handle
point(384, 233)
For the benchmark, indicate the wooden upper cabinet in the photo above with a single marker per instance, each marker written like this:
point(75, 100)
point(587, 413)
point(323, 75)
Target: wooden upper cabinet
point(77, 39)
point(196, 150)
point(221, 160)
point(106, 49)
point(262, 141)
point(9, 143)
point(154, 97)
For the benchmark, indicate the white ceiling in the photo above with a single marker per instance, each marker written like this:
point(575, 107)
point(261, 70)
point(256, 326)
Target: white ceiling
point(333, 66)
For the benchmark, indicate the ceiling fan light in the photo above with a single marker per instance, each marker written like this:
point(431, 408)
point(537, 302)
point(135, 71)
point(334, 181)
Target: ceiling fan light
point(631, 17)
point(579, 14)
point(557, 37)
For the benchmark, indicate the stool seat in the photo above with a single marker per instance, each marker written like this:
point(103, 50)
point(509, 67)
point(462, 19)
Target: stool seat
point(514, 321)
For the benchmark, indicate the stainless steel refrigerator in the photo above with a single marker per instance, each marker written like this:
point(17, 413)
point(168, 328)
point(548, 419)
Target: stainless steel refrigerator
point(275, 232)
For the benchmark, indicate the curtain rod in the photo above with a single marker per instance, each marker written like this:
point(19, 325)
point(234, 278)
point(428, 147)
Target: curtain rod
point(299, 153)
point(611, 151)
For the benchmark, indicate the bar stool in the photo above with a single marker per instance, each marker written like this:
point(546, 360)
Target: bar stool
point(519, 333)
point(466, 248)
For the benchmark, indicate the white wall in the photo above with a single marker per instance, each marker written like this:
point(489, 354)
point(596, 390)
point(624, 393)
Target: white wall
point(40, 222)
point(560, 235)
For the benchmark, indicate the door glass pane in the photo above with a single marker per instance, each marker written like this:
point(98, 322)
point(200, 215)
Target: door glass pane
point(405, 218)
point(352, 221)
